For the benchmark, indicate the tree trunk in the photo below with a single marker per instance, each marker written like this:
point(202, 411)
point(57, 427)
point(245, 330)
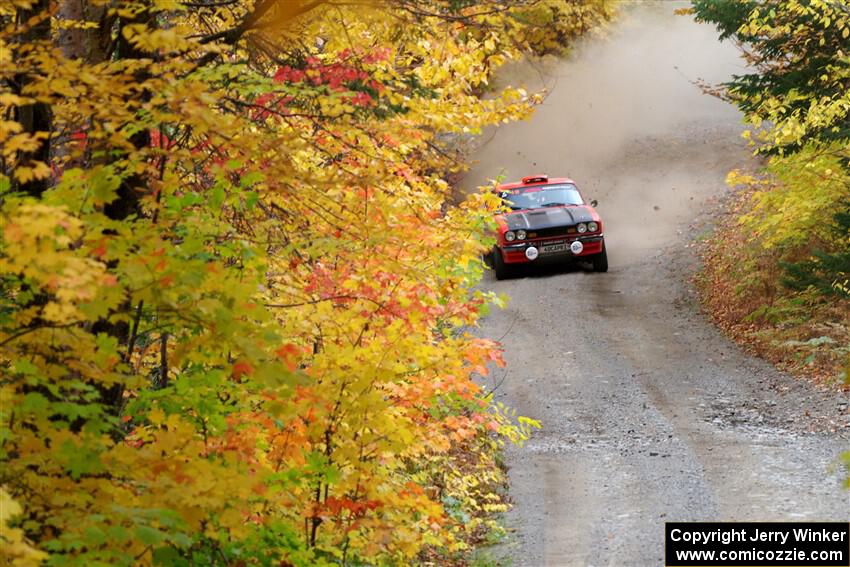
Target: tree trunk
point(128, 201)
point(91, 45)
point(34, 117)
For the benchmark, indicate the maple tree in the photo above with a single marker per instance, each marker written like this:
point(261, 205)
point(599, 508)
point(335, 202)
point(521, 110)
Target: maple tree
point(796, 100)
point(237, 301)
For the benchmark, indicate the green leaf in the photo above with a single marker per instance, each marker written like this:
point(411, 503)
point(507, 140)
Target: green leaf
point(149, 536)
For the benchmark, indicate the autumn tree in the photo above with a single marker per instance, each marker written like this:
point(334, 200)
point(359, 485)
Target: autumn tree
point(236, 308)
point(787, 256)
point(796, 99)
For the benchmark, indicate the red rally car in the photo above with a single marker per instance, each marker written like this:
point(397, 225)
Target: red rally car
point(549, 221)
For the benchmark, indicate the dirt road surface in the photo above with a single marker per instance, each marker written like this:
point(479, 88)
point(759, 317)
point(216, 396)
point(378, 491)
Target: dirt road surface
point(649, 414)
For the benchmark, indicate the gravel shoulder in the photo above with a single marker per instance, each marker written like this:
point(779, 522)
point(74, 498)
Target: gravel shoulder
point(649, 414)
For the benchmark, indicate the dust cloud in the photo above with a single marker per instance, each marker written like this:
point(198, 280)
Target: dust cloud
point(625, 121)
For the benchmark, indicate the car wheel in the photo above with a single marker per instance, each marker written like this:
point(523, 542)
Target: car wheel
point(488, 259)
point(600, 261)
point(503, 271)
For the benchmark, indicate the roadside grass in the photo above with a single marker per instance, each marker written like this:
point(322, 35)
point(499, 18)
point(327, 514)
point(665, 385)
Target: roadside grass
point(740, 287)
point(483, 558)
point(471, 482)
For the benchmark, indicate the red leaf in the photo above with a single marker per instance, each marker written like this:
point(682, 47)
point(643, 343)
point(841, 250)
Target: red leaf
point(241, 368)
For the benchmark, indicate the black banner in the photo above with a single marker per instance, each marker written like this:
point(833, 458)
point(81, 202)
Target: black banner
point(757, 544)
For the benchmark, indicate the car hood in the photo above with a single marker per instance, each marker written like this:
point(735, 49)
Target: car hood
point(535, 219)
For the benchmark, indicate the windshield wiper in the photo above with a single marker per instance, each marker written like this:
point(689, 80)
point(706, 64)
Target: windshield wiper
point(557, 205)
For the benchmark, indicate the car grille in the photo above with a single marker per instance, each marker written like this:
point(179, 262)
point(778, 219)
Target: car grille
point(551, 231)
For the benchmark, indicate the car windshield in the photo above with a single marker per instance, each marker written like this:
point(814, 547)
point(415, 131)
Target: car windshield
point(542, 196)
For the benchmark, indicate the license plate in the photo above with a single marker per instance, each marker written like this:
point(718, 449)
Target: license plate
point(553, 248)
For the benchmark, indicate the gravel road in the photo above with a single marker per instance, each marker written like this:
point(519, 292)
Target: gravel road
point(649, 414)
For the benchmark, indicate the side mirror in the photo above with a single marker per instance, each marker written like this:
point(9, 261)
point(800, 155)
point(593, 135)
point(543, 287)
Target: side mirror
point(594, 203)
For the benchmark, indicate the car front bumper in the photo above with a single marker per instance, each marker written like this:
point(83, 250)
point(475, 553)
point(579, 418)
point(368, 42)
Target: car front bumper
point(515, 252)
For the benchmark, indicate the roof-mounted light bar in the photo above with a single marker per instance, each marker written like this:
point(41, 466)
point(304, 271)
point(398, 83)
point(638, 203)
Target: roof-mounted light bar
point(535, 179)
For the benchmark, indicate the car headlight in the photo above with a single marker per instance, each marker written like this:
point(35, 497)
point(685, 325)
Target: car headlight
point(510, 236)
point(592, 226)
point(520, 235)
point(581, 228)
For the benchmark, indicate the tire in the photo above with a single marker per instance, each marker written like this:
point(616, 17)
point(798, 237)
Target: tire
point(600, 261)
point(488, 259)
point(503, 271)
